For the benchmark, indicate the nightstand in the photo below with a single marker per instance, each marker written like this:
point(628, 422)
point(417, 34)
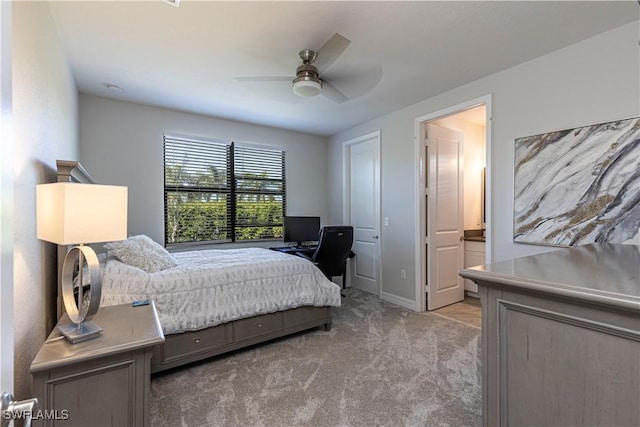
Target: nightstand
point(103, 381)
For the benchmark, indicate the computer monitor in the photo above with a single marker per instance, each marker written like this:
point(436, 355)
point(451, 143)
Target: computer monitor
point(300, 229)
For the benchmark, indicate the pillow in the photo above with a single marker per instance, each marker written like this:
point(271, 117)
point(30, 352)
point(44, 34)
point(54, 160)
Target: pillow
point(142, 252)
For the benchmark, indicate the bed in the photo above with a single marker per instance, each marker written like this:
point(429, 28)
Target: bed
point(210, 302)
point(214, 301)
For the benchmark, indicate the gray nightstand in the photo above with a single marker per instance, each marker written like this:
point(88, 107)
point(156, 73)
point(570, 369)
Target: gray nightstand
point(103, 381)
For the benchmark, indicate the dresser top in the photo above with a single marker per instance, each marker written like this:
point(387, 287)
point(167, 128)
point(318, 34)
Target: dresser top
point(603, 273)
point(125, 328)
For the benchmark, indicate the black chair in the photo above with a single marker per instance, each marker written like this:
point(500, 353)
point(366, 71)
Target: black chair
point(334, 247)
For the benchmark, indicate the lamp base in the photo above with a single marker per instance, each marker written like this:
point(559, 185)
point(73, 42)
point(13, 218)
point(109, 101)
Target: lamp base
point(78, 333)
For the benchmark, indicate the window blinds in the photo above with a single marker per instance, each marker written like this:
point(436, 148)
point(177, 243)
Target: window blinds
point(219, 192)
point(259, 190)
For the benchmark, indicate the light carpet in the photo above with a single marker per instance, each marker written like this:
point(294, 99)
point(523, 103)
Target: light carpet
point(380, 365)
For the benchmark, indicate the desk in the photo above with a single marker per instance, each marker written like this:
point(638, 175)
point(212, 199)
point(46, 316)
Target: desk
point(308, 251)
point(293, 250)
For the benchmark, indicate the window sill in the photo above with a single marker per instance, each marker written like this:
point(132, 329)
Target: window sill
point(267, 243)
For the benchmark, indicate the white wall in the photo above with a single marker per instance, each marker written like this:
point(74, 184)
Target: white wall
point(45, 111)
point(593, 81)
point(121, 143)
point(6, 201)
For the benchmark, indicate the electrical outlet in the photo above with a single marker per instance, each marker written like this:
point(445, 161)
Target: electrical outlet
point(386, 221)
point(403, 274)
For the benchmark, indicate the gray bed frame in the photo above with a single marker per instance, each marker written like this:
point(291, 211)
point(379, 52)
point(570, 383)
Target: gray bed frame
point(187, 347)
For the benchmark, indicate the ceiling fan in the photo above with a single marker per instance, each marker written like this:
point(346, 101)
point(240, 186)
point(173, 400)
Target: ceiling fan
point(307, 81)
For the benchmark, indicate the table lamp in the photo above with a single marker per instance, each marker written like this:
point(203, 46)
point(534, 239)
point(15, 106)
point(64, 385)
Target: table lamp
point(71, 213)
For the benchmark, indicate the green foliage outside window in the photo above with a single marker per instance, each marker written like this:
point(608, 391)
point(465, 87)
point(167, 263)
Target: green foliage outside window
point(196, 217)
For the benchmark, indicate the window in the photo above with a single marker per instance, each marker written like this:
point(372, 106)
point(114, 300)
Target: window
point(218, 192)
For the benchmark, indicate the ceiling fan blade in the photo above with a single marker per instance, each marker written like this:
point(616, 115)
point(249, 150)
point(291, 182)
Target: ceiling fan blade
point(357, 78)
point(265, 79)
point(332, 93)
point(331, 51)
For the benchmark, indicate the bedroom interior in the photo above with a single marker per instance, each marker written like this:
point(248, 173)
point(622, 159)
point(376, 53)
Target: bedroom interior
point(541, 66)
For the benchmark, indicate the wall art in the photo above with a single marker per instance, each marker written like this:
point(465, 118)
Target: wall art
point(579, 186)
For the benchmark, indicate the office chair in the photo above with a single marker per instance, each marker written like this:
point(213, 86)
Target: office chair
point(334, 247)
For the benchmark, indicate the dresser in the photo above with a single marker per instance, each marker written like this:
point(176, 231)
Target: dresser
point(103, 381)
point(561, 337)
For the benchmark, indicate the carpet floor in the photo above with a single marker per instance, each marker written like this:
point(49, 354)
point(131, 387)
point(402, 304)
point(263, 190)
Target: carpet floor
point(380, 365)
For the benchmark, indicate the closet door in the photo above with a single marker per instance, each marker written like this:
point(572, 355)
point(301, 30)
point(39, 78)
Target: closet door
point(363, 210)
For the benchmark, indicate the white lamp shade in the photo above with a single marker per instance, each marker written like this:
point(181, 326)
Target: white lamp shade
point(72, 213)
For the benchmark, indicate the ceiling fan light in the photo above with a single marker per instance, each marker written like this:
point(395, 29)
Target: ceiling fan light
point(307, 87)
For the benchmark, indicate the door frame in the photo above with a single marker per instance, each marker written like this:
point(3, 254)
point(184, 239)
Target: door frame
point(420, 180)
point(346, 193)
point(6, 202)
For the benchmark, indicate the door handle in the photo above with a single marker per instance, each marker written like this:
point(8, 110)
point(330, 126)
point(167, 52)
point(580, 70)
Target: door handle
point(11, 410)
point(375, 237)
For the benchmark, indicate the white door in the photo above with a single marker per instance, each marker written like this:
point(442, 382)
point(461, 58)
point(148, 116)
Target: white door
point(362, 205)
point(6, 204)
point(445, 255)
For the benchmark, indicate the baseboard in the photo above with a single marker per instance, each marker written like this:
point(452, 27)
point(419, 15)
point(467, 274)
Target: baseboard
point(402, 302)
point(367, 289)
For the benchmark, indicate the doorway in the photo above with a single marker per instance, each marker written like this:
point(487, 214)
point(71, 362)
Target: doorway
point(443, 219)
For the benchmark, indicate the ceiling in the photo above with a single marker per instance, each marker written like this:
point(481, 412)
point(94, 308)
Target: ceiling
point(188, 57)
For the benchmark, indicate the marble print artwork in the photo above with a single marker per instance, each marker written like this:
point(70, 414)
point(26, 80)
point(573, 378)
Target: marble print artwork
point(579, 186)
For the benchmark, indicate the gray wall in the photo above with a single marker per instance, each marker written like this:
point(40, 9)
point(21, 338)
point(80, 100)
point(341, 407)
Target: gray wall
point(45, 111)
point(121, 144)
point(593, 81)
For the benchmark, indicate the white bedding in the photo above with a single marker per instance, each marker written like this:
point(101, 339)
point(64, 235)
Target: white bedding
point(210, 287)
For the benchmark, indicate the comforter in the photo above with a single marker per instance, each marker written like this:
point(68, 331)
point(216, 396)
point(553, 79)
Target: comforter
point(211, 287)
